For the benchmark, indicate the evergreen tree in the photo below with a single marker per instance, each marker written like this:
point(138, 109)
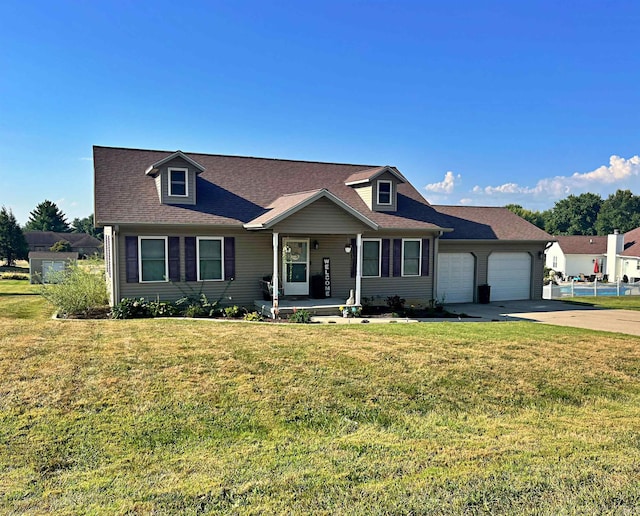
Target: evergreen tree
point(47, 217)
point(13, 245)
point(86, 225)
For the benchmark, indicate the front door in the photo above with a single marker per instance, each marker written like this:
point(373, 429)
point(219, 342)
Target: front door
point(295, 266)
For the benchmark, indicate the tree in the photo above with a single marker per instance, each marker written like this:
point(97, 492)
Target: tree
point(86, 225)
point(47, 217)
point(61, 246)
point(620, 210)
point(535, 217)
point(13, 245)
point(575, 215)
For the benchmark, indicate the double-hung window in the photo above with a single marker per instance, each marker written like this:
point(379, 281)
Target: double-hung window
point(371, 253)
point(210, 258)
point(411, 256)
point(178, 182)
point(154, 265)
point(384, 192)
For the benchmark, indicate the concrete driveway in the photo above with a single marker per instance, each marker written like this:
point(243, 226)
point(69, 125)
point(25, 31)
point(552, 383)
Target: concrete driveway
point(554, 312)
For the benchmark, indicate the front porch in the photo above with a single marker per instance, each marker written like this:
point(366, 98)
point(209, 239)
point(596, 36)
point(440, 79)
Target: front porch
point(287, 306)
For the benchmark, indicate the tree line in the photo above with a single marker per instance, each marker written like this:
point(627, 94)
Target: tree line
point(46, 216)
point(586, 214)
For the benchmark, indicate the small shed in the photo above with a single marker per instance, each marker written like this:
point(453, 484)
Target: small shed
point(43, 264)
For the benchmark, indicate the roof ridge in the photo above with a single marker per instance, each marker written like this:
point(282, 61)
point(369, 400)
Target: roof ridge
point(240, 157)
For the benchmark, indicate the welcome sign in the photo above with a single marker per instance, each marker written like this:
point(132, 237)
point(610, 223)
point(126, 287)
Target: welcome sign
point(326, 269)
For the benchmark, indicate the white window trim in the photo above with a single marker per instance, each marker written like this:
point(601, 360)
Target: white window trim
point(221, 240)
point(166, 258)
point(186, 181)
point(379, 240)
point(390, 183)
point(419, 240)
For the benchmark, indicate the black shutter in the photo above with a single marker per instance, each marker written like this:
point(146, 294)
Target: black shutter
point(397, 257)
point(174, 258)
point(425, 257)
point(190, 271)
point(131, 254)
point(229, 258)
point(386, 244)
point(354, 257)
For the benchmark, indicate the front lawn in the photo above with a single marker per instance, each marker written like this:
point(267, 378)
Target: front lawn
point(613, 302)
point(195, 416)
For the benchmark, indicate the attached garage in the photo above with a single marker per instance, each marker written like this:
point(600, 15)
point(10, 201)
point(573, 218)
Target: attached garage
point(509, 275)
point(456, 277)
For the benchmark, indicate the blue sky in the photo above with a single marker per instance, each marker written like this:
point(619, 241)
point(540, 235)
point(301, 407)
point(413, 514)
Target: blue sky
point(479, 102)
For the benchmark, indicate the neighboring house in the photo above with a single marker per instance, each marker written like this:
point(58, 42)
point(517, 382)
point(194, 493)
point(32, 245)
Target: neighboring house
point(616, 256)
point(44, 265)
point(577, 255)
point(81, 243)
point(179, 223)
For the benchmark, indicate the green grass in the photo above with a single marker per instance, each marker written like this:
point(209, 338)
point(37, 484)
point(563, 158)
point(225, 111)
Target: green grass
point(613, 302)
point(193, 417)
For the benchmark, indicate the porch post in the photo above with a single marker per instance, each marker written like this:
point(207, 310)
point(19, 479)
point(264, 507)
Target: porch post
point(358, 267)
point(274, 278)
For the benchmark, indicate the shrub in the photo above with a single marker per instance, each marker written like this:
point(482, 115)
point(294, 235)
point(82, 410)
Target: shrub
point(76, 291)
point(396, 303)
point(14, 276)
point(253, 316)
point(131, 308)
point(162, 309)
point(61, 246)
point(232, 311)
point(198, 306)
point(300, 316)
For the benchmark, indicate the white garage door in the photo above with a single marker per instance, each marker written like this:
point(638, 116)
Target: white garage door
point(509, 275)
point(456, 277)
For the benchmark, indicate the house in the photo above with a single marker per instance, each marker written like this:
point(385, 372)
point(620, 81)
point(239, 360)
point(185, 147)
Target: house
point(576, 255)
point(81, 243)
point(615, 256)
point(44, 265)
point(177, 223)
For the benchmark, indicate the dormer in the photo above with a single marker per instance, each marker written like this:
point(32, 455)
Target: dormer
point(175, 178)
point(378, 187)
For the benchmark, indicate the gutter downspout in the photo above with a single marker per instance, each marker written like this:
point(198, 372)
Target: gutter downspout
point(358, 268)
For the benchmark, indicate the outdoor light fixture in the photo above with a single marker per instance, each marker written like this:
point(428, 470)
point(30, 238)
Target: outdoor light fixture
point(540, 255)
point(347, 248)
point(316, 245)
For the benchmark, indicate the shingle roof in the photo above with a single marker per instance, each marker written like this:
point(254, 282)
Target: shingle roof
point(234, 190)
point(631, 243)
point(488, 223)
point(370, 174)
point(580, 244)
point(48, 238)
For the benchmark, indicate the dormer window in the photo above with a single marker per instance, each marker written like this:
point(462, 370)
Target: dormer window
point(178, 182)
point(384, 193)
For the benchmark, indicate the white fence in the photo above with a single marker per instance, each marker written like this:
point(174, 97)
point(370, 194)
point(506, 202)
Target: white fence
point(590, 288)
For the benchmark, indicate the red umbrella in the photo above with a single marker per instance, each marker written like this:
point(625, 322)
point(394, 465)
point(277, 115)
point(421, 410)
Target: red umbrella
point(596, 267)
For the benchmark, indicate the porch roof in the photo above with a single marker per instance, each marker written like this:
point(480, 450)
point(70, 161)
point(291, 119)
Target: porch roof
point(287, 205)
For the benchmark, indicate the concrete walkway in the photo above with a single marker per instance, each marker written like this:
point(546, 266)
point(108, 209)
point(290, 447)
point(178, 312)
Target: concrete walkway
point(542, 311)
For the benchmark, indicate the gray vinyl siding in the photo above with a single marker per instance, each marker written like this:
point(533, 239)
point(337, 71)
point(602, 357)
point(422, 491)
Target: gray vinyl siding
point(415, 289)
point(253, 260)
point(163, 175)
point(320, 217)
point(394, 193)
point(482, 251)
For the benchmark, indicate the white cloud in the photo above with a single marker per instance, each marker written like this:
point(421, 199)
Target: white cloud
point(85, 159)
point(446, 186)
point(620, 170)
